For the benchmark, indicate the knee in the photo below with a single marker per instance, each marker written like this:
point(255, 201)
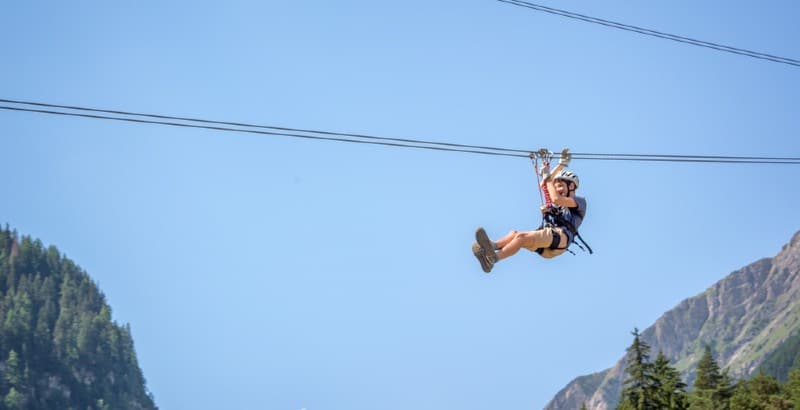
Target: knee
point(520, 235)
point(513, 233)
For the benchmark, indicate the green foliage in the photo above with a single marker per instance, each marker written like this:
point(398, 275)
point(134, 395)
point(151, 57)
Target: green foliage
point(650, 385)
point(703, 399)
point(626, 405)
point(657, 386)
point(782, 360)
point(762, 392)
point(14, 400)
point(792, 387)
point(671, 394)
point(60, 346)
point(743, 398)
point(725, 388)
point(708, 374)
point(712, 388)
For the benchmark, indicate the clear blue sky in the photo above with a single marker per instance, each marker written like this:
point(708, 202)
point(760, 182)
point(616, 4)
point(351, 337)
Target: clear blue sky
point(264, 272)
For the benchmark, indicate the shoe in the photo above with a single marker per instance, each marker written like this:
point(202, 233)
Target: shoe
point(486, 244)
point(481, 255)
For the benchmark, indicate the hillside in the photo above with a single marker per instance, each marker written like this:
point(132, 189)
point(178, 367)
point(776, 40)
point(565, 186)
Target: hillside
point(748, 318)
point(59, 347)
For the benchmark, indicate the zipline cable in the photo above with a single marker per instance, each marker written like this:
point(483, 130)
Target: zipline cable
point(654, 33)
point(268, 127)
point(718, 161)
point(216, 128)
point(587, 156)
point(403, 140)
point(400, 143)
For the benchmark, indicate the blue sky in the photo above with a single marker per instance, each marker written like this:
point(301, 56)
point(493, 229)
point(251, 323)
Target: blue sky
point(265, 272)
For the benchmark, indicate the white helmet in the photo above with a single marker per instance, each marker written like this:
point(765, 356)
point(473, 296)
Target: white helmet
point(569, 176)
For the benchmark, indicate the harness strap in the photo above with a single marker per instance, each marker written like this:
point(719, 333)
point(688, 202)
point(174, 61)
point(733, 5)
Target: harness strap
point(554, 244)
point(552, 219)
point(584, 243)
point(556, 241)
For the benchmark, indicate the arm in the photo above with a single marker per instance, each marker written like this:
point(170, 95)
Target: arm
point(558, 199)
point(551, 193)
point(563, 162)
point(558, 169)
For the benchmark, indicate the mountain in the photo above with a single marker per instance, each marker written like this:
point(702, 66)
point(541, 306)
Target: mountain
point(59, 348)
point(780, 362)
point(749, 318)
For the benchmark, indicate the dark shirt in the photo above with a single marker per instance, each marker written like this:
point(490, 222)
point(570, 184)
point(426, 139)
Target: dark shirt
point(573, 215)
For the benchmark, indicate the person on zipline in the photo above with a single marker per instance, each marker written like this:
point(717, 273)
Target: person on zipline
point(563, 213)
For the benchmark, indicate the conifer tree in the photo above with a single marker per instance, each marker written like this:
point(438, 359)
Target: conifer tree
point(725, 388)
point(762, 392)
point(742, 398)
point(672, 392)
point(763, 385)
point(625, 405)
point(767, 392)
point(792, 387)
point(640, 386)
point(14, 400)
point(13, 370)
point(702, 400)
point(708, 374)
point(712, 389)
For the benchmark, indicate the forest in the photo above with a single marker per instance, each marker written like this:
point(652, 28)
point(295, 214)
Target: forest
point(59, 347)
point(656, 384)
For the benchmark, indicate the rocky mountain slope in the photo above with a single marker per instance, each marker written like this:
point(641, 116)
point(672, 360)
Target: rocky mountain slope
point(745, 318)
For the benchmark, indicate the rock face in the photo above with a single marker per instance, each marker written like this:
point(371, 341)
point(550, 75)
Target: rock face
point(744, 317)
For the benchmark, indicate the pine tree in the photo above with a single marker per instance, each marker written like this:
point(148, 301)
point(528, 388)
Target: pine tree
point(702, 400)
point(742, 398)
point(763, 385)
point(725, 387)
point(708, 375)
point(13, 370)
point(792, 387)
point(640, 387)
point(767, 392)
point(706, 394)
point(14, 400)
point(762, 392)
point(672, 392)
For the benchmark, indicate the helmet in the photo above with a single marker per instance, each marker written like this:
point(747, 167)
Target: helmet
point(569, 176)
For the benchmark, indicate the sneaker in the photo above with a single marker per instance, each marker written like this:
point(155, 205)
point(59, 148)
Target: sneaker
point(485, 244)
point(489, 258)
point(480, 254)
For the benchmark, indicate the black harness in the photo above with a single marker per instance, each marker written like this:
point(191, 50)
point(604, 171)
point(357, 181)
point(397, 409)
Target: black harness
point(553, 219)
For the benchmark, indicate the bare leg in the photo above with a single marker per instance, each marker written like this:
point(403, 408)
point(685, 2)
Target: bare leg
point(502, 242)
point(531, 240)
